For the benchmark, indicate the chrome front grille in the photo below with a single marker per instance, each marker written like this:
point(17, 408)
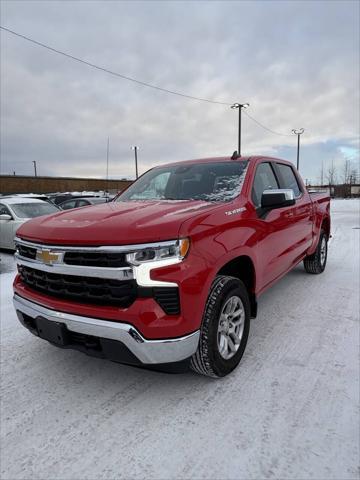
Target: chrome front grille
point(82, 258)
point(95, 275)
point(95, 262)
point(96, 259)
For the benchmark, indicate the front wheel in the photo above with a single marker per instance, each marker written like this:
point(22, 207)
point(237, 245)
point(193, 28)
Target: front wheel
point(225, 328)
point(316, 262)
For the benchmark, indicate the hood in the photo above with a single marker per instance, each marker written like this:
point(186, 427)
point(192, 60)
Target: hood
point(114, 223)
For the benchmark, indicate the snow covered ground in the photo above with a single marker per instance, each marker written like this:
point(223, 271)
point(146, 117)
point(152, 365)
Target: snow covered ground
point(289, 411)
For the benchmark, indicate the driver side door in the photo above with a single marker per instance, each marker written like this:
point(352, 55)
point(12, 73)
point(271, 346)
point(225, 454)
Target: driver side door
point(273, 231)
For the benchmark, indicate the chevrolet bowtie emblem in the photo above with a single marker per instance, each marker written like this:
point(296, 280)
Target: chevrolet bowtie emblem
point(46, 256)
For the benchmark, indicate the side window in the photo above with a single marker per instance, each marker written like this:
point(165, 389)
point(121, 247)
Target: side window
point(288, 178)
point(82, 203)
point(68, 205)
point(264, 180)
point(4, 210)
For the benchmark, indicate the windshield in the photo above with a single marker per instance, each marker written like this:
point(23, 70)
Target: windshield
point(211, 182)
point(31, 210)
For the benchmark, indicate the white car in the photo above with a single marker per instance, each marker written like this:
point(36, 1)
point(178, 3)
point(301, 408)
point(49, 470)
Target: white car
point(14, 211)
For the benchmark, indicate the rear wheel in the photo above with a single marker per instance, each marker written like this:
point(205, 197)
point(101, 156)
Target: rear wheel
point(225, 328)
point(316, 262)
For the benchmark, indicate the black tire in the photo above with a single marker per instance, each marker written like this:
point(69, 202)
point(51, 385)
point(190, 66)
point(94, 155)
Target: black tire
point(207, 360)
point(316, 262)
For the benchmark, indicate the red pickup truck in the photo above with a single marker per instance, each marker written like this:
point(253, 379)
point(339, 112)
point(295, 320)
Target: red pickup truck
point(168, 274)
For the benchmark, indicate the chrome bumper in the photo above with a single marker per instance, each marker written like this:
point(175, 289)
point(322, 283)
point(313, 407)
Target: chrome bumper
point(147, 351)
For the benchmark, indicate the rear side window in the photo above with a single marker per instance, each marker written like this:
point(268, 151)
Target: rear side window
point(264, 180)
point(82, 203)
point(68, 205)
point(288, 178)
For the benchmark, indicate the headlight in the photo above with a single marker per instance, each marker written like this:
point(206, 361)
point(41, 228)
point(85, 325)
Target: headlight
point(165, 250)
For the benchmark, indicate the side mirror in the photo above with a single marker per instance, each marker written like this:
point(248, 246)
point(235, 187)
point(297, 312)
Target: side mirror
point(277, 198)
point(5, 217)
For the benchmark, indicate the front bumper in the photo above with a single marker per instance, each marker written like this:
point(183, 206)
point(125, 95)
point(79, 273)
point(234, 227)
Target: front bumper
point(98, 282)
point(114, 340)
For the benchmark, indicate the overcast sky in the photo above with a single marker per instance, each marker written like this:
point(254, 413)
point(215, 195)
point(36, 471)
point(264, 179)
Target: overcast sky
point(296, 63)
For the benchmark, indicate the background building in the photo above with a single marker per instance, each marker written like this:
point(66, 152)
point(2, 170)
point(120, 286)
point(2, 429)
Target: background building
point(29, 184)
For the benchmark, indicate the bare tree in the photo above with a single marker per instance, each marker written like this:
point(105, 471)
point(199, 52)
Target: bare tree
point(322, 174)
point(354, 176)
point(346, 171)
point(331, 174)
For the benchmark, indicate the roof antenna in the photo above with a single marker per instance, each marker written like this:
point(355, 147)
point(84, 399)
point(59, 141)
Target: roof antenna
point(235, 155)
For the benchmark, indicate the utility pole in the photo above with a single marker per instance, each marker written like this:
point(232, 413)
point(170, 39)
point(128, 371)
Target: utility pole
point(239, 106)
point(107, 165)
point(135, 148)
point(298, 132)
point(34, 162)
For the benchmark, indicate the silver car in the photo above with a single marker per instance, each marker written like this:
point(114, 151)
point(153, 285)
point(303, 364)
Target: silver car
point(14, 211)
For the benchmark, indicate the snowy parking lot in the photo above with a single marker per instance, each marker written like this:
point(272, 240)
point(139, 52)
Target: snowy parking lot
point(289, 411)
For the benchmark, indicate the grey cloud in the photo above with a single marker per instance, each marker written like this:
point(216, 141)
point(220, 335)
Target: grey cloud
point(295, 62)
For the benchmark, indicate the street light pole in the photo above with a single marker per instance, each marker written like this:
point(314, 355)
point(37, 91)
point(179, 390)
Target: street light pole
point(298, 132)
point(135, 148)
point(239, 106)
point(107, 165)
point(34, 162)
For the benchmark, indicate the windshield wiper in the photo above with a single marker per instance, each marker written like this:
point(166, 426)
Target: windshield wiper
point(173, 198)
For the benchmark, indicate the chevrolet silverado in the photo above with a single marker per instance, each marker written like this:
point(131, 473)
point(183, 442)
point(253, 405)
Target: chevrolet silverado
point(167, 275)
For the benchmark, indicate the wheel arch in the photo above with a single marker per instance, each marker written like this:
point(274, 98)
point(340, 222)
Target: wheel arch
point(243, 268)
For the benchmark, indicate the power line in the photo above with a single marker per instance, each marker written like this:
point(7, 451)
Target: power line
point(266, 128)
point(130, 79)
point(111, 72)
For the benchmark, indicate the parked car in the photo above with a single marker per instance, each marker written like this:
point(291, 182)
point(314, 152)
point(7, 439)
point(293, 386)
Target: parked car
point(81, 202)
point(57, 198)
point(168, 275)
point(60, 197)
point(16, 210)
point(36, 196)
